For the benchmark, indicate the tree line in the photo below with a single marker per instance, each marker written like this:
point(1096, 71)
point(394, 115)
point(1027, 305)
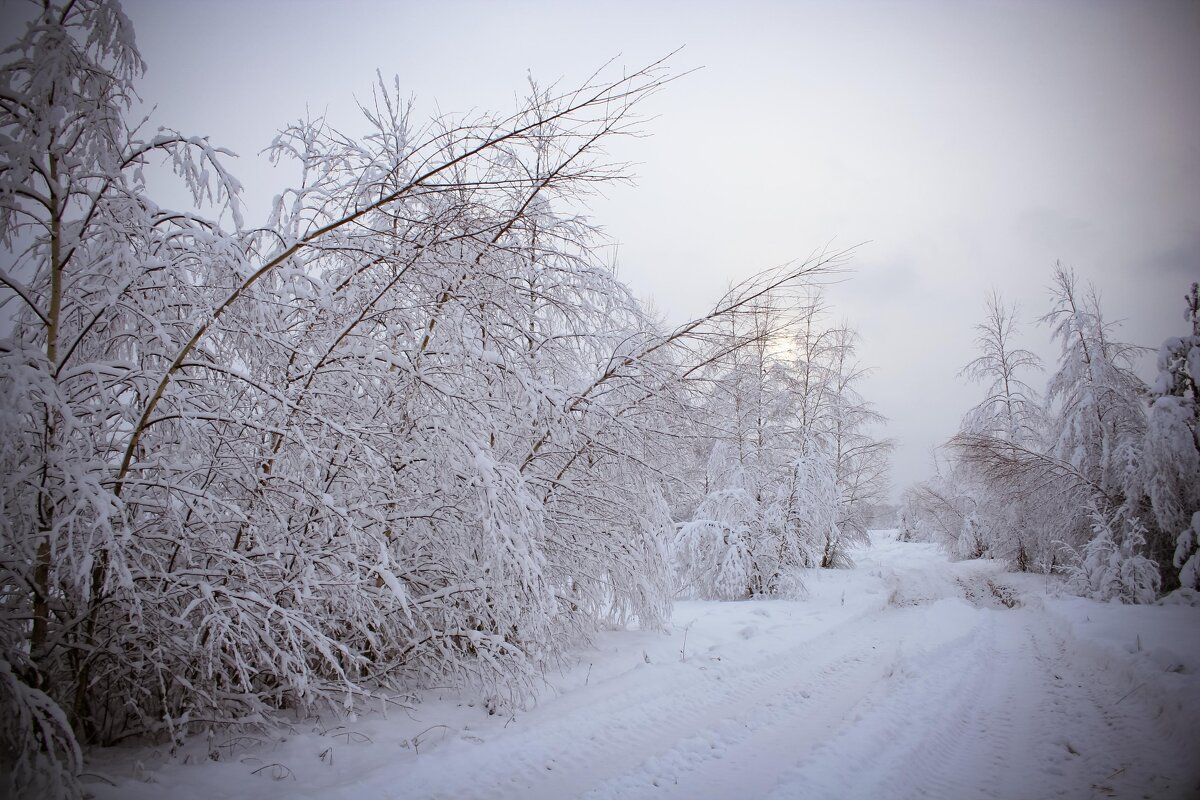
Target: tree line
point(1096, 476)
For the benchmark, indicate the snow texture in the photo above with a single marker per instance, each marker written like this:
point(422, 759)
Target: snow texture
point(908, 676)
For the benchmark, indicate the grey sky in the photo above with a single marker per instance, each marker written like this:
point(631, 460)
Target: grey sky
point(971, 143)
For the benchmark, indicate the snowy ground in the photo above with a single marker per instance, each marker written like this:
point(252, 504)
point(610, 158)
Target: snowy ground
point(909, 676)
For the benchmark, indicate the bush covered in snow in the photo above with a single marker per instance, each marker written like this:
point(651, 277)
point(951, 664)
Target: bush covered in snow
point(1110, 567)
point(1187, 555)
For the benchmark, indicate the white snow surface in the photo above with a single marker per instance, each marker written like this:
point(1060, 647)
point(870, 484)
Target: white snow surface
point(907, 676)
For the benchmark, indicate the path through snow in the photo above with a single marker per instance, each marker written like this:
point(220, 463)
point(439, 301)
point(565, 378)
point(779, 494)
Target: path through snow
point(909, 676)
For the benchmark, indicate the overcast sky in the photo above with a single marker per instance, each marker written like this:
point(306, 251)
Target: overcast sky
point(971, 144)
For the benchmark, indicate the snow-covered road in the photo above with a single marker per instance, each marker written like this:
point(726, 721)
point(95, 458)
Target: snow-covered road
point(909, 676)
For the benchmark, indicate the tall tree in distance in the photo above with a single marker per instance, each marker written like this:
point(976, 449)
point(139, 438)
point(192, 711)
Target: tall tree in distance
point(1008, 423)
point(1011, 409)
point(1097, 417)
point(859, 458)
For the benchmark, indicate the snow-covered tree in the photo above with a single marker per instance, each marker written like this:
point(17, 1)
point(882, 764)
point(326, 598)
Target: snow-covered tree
point(1035, 492)
point(858, 456)
point(101, 282)
point(1011, 409)
point(832, 416)
point(1172, 448)
point(741, 538)
point(1110, 566)
point(1114, 450)
point(334, 458)
point(998, 432)
point(791, 451)
point(910, 525)
point(938, 509)
point(1097, 418)
point(812, 509)
point(718, 551)
point(413, 431)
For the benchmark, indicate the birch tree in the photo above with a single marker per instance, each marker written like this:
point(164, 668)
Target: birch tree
point(1009, 421)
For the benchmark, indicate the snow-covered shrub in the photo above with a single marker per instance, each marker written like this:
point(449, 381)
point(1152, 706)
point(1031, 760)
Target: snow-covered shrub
point(938, 509)
point(730, 548)
point(1109, 566)
point(970, 542)
point(812, 510)
point(1187, 555)
point(716, 551)
point(910, 526)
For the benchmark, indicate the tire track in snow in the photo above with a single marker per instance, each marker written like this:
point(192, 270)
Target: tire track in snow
point(1107, 739)
point(913, 724)
point(1014, 711)
point(743, 756)
point(924, 698)
point(644, 735)
point(731, 758)
point(603, 737)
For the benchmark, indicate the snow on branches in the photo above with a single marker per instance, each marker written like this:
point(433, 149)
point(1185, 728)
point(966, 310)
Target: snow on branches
point(412, 432)
point(1110, 566)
